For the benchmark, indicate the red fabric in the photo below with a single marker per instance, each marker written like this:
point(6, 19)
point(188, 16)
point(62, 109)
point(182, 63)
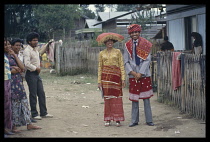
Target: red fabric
point(113, 109)
point(176, 71)
point(141, 89)
point(143, 48)
point(111, 81)
point(134, 28)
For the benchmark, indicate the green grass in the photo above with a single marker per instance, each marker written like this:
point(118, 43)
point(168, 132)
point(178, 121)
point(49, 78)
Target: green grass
point(80, 78)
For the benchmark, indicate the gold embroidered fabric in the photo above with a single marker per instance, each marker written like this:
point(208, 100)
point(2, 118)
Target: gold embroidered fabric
point(113, 58)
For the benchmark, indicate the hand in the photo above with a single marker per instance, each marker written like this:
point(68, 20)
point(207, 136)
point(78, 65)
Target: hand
point(123, 83)
point(38, 70)
point(138, 76)
point(16, 68)
point(99, 85)
point(11, 52)
point(133, 73)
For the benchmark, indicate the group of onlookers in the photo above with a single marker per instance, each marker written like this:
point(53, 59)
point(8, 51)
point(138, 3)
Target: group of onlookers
point(19, 63)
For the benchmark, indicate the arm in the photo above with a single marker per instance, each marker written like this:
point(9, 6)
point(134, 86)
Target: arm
point(121, 64)
point(126, 57)
point(14, 71)
point(19, 63)
point(100, 64)
point(43, 49)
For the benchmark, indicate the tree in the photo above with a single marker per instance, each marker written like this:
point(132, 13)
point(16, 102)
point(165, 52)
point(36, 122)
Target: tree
point(86, 11)
point(142, 18)
point(54, 17)
point(18, 20)
point(125, 7)
point(99, 8)
point(112, 7)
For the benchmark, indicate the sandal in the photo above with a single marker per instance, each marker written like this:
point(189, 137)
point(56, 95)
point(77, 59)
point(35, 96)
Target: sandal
point(107, 123)
point(118, 123)
point(33, 127)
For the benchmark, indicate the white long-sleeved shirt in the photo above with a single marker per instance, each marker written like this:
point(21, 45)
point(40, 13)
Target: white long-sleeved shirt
point(31, 58)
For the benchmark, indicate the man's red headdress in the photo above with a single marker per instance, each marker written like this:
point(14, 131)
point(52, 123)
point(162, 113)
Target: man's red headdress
point(134, 28)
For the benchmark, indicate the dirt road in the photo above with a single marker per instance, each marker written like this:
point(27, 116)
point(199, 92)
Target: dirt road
point(77, 107)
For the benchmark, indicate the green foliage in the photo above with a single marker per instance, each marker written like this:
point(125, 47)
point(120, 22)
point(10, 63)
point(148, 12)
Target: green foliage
point(93, 41)
point(99, 7)
point(55, 17)
point(20, 19)
point(86, 11)
point(142, 18)
point(125, 7)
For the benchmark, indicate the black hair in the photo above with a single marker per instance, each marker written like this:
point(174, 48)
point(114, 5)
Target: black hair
point(16, 40)
point(198, 39)
point(166, 38)
point(110, 39)
point(31, 36)
point(6, 39)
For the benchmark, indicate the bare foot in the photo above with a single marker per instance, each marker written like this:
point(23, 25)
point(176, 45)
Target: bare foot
point(32, 127)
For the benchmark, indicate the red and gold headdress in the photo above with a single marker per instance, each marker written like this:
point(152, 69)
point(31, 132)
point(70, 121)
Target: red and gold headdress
point(134, 28)
point(106, 36)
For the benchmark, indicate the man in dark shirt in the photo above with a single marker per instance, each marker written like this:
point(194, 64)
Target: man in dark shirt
point(166, 45)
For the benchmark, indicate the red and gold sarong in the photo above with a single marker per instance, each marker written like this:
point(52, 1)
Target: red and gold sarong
point(111, 81)
point(112, 90)
point(141, 89)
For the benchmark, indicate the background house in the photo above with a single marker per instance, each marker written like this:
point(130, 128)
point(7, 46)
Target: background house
point(181, 21)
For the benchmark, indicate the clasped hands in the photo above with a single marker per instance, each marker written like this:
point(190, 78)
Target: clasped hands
point(136, 75)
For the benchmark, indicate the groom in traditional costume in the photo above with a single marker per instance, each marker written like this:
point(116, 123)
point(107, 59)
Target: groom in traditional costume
point(137, 61)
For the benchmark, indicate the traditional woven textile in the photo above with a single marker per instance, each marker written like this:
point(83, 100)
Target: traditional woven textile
point(134, 28)
point(106, 36)
point(141, 89)
point(143, 48)
point(111, 82)
point(176, 71)
point(113, 109)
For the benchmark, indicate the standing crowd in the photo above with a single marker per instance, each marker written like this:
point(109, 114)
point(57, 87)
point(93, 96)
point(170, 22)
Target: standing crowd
point(20, 63)
point(24, 63)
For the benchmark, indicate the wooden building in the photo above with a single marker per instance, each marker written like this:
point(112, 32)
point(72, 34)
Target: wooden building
point(182, 20)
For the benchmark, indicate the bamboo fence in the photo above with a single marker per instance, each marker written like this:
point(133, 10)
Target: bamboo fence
point(190, 97)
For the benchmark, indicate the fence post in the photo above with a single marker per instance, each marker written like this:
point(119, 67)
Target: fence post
point(183, 76)
point(58, 48)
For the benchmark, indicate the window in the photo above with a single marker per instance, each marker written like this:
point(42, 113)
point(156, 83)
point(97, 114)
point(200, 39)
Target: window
point(190, 26)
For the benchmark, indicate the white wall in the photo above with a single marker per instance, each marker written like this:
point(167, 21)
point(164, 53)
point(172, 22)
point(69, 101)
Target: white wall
point(176, 33)
point(202, 29)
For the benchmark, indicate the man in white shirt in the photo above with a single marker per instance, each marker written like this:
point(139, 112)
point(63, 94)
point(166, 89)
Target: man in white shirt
point(34, 81)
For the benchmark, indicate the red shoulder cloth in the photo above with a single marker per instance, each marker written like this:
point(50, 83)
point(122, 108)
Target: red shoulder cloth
point(143, 48)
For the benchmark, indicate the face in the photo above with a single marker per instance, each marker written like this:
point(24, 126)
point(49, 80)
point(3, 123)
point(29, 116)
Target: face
point(109, 43)
point(135, 35)
point(7, 46)
point(34, 42)
point(16, 47)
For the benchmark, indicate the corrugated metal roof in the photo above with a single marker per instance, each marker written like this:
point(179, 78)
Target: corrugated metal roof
point(90, 22)
point(108, 15)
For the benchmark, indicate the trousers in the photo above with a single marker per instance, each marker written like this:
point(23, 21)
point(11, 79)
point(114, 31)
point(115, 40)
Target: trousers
point(36, 90)
point(135, 111)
